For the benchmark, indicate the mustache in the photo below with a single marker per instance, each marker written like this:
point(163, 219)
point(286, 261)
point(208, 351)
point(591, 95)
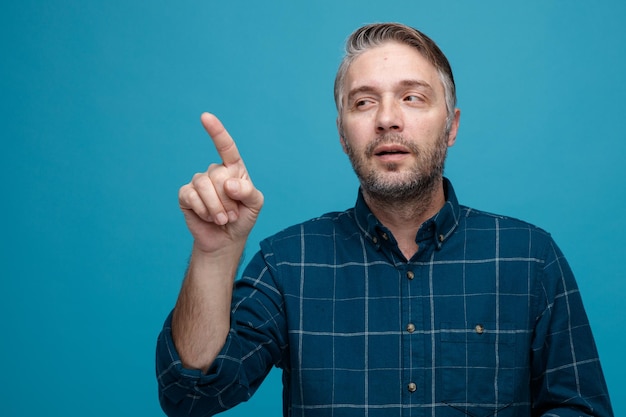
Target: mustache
point(391, 138)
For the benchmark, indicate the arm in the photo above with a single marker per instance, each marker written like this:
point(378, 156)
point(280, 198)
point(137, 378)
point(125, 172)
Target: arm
point(567, 378)
point(255, 342)
point(220, 207)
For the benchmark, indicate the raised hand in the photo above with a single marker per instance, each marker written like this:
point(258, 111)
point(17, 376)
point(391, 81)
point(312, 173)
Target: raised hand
point(220, 205)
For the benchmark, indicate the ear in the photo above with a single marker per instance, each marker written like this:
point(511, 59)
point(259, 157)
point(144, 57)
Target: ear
point(454, 128)
point(342, 139)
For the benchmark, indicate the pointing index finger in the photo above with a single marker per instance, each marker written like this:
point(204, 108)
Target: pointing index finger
point(223, 142)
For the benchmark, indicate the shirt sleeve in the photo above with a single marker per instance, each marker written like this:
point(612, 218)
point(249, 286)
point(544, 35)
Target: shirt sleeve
point(567, 379)
point(254, 344)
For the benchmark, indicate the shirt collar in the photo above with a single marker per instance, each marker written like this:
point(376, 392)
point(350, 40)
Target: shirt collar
point(439, 227)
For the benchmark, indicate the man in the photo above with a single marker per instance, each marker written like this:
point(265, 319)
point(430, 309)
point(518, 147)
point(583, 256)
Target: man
point(406, 304)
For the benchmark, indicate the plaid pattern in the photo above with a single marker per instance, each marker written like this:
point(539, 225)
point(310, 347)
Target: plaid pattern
point(486, 319)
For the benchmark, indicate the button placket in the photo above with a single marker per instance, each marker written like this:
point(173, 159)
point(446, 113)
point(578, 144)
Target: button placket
point(411, 316)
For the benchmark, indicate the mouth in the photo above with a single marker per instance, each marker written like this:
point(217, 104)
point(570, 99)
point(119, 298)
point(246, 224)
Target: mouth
point(394, 152)
point(391, 151)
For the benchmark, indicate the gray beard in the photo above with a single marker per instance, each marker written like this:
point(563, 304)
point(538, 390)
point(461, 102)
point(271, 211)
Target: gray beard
point(417, 184)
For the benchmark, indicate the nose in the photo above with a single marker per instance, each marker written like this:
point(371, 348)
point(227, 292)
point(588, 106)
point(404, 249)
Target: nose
point(389, 117)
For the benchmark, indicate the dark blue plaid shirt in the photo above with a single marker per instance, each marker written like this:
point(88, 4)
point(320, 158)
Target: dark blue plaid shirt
point(486, 319)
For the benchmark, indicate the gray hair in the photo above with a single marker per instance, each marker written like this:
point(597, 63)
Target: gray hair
point(373, 35)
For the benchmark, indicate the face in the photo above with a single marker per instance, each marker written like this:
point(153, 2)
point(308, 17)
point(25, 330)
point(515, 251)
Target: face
point(393, 122)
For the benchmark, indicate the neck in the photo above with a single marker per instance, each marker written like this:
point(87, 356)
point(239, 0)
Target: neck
point(404, 217)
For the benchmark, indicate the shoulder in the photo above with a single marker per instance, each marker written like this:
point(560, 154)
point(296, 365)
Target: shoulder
point(316, 241)
point(332, 224)
point(480, 218)
point(505, 229)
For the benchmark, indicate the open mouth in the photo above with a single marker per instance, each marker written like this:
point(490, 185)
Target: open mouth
point(391, 152)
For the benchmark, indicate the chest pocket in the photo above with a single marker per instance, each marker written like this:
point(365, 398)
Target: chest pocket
point(476, 368)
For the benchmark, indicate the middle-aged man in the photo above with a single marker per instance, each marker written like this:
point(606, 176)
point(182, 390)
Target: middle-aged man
point(407, 304)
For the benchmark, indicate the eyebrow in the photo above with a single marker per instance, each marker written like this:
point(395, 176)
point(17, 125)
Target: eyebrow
point(416, 83)
point(404, 83)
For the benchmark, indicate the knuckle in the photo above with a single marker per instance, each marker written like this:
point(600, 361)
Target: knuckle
point(218, 175)
point(214, 168)
point(197, 176)
point(184, 193)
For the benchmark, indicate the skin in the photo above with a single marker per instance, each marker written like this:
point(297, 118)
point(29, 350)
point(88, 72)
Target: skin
point(393, 93)
point(220, 207)
point(393, 128)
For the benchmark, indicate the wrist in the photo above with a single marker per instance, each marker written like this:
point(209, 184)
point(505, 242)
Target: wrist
point(224, 261)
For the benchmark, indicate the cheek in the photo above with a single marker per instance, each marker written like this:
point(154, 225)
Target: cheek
point(355, 133)
point(429, 129)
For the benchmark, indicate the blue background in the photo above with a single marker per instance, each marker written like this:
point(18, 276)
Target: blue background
point(100, 127)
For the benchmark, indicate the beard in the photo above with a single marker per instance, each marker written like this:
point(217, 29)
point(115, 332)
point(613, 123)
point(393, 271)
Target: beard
point(392, 185)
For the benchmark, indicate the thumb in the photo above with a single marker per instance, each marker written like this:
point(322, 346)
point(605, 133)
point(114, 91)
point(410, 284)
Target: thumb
point(244, 191)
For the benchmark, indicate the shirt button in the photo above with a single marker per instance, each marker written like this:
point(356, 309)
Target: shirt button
point(412, 387)
point(384, 235)
point(410, 275)
point(375, 239)
point(441, 238)
point(480, 329)
point(410, 327)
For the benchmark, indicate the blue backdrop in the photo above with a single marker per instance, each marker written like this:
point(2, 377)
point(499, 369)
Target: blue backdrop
point(100, 127)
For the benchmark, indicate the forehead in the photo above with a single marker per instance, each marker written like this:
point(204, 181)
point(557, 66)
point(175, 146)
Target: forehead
point(389, 64)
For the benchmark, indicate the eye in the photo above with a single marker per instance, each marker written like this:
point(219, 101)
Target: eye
point(363, 103)
point(414, 98)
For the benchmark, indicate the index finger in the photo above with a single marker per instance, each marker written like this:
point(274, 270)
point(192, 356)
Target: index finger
point(223, 142)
